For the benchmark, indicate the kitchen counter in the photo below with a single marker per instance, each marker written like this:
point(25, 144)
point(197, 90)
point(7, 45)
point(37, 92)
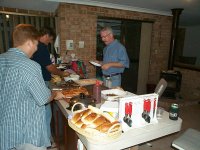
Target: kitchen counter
point(65, 137)
point(133, 137)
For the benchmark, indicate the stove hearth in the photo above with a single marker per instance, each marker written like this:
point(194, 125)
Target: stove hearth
point(173, 79)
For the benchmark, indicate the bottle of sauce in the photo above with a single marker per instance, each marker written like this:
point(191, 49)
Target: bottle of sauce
point(97, 92)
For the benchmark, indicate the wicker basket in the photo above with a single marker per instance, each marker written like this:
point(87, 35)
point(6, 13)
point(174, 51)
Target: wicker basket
point(94, 135)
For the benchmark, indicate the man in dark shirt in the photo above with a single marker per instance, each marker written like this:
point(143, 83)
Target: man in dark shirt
point(42, 57)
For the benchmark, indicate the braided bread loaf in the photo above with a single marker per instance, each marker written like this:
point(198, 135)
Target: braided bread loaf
point(93, 118)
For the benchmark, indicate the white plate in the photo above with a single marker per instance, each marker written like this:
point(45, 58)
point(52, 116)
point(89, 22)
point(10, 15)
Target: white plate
point(117, 94)
point(95, 63)
point(61, 67)
point(84, 82)
point(73, 77)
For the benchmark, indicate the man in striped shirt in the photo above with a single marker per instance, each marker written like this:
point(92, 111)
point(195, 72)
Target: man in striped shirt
point(23, 94)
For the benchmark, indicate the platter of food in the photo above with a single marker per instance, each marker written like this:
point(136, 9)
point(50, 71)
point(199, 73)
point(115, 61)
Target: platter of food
point(74, 92)
point(113, 94)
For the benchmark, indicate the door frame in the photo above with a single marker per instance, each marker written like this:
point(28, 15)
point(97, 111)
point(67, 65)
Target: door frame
point(144, 57)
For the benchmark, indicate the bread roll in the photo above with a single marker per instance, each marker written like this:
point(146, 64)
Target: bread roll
point(90, 118)
point(76, 117)
point(79, 123)
point(84, 126)
point(115, 128)
point(98, 121)
point(86, 113)
point(106, 126)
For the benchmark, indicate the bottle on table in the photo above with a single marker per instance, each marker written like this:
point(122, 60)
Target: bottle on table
point(97, 92)
point(108, 82)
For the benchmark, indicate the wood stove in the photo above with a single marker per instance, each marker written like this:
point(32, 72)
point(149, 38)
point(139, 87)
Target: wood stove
point(173, 79)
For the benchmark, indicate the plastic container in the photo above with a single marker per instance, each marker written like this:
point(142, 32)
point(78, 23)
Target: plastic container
point(97, 92)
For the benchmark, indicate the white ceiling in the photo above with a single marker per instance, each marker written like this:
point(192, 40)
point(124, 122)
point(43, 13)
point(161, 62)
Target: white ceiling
point(189, 16)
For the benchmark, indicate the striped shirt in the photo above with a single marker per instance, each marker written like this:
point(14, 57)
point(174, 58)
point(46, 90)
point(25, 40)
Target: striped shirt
point(23, 94)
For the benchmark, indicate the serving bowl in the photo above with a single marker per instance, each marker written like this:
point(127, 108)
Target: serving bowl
point(73, 77)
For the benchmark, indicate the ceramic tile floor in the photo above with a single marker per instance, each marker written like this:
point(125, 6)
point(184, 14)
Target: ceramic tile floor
point(191, 119)
point(190, 114)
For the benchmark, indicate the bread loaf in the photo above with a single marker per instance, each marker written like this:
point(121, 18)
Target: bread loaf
point(95, 120)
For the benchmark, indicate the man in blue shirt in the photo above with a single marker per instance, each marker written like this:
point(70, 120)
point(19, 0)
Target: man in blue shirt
point(115, 58)
point(23, 94)
point(42, 56)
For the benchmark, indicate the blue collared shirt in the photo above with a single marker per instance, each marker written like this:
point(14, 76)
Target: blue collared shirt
point(115, 52)
point(23, 95)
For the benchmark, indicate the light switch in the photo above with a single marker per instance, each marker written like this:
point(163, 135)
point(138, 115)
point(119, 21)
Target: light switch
point(81, 44)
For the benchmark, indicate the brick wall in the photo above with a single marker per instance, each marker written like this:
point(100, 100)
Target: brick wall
point(190, 86)
point(79, 23)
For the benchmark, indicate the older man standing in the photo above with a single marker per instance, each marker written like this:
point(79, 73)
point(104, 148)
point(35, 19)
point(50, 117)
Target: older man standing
point(115, 58)
point(23, 94)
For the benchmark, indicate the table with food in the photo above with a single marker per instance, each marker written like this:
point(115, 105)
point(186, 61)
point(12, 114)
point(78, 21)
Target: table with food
point(120, 121)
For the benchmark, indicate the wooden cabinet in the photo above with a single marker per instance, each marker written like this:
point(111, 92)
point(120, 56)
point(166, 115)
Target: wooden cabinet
point(64, 137)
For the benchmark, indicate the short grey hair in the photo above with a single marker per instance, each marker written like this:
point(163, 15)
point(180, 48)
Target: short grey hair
point(107, 28)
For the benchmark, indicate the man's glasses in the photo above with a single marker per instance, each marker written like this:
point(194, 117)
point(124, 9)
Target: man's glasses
point(105, 35)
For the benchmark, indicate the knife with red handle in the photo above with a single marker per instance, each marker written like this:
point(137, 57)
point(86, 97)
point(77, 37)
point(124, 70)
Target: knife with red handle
point(130, 108)
point(154, 107)
point(129, 122)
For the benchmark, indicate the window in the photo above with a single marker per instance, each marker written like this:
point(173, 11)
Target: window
point(9, 21)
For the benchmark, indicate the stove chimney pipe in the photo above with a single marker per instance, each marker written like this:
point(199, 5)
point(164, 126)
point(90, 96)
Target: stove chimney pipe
point(176, 13)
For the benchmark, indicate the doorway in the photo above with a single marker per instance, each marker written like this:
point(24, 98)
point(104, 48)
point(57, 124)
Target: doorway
point(130, 38)
point(128, 32)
